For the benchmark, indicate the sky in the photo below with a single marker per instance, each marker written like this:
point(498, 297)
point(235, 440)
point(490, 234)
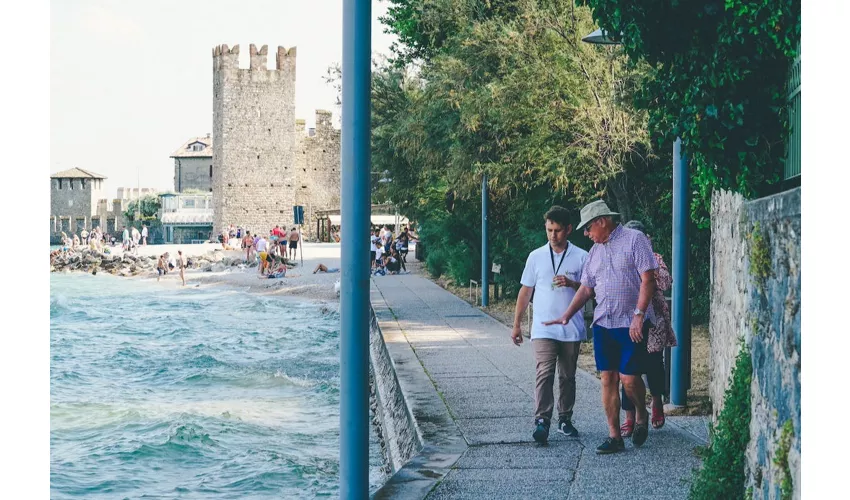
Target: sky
point(131, 81)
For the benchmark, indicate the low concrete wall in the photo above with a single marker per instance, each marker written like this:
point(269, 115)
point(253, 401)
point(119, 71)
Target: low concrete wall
point(755, 296)
point(390, 415)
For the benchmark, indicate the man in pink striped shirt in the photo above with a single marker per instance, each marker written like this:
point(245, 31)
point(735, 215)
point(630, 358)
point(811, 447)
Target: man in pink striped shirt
point(620, 272)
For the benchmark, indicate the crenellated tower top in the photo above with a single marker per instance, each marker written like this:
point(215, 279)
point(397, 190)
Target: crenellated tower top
point(225, 57)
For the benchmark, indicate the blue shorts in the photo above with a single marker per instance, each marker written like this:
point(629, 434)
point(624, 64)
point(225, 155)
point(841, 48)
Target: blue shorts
point(615, 351)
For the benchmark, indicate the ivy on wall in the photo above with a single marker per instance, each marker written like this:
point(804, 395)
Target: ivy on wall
point(722, 474)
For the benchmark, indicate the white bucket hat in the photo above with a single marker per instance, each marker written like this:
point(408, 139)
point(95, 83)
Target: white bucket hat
point(593, 210)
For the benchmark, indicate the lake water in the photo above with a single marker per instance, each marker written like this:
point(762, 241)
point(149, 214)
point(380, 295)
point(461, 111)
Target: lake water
point(164, 392)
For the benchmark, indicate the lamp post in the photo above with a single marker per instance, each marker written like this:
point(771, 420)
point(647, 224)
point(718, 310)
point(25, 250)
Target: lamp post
point(681, 363)
point(485, 245)
point(356, 208)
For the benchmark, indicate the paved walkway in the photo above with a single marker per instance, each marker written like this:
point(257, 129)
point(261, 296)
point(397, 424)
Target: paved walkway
point(487, 385)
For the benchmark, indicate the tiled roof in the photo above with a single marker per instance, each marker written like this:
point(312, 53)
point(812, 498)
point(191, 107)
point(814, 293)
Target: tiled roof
point(186, 152)
point(77, 173)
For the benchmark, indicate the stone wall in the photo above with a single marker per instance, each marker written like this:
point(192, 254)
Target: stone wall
point(73, 204)
point(253, 139)
point(192, 173)
point(755, 296)
point(317, 165)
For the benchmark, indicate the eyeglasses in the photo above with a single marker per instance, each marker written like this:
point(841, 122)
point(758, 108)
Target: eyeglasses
point(592, 222)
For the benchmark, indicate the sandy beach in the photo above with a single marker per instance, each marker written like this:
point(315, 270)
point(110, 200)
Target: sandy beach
point(299, 281)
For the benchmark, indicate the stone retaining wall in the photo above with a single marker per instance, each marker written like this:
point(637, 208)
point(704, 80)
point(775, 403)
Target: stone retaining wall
point(755, 296)
point(390, 415)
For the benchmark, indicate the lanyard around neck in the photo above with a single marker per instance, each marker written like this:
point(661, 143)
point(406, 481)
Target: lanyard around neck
point(552, 255)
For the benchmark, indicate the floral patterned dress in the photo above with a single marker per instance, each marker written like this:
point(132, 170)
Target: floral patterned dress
point(661, 335)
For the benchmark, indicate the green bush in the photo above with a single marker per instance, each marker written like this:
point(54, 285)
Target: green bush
point(722, 474)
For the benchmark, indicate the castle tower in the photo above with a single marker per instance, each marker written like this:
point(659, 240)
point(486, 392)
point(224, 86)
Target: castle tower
point(253, 177)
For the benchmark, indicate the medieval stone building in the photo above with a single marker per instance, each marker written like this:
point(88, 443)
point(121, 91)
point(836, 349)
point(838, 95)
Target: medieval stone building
point(263, 164)
point(77, 203)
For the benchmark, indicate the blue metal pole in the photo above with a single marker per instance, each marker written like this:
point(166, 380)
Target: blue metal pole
point(680, 379)
point(356, 209)
point(485, 246)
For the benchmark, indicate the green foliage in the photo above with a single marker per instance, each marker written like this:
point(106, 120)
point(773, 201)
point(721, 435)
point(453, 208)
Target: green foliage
point(505, 88)
point(423, 27)
point(148, 205)
point(786, 486)
point(719, 77)
point(761, 264)
point(722, 474)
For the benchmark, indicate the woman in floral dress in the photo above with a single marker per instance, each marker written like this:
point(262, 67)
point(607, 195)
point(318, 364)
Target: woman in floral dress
point(660, 337)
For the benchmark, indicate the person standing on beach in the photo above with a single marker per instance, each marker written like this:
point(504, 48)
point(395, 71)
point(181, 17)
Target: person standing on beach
point(620, 272)
point(182, 264)
point(161, 266)
point(125, 239)
point(144, 235)
point(551, 276)
point(294, 238)
point(248, 245)
point(262, 252)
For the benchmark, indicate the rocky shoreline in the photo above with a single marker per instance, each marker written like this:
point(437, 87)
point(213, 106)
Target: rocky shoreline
point(128, 264)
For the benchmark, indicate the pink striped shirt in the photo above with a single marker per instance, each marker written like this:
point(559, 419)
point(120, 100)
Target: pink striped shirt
point(613, 270)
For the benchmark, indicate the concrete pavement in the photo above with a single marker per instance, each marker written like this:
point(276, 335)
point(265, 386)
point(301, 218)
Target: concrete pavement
point(487, 387)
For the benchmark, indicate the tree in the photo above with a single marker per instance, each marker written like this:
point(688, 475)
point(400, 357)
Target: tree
point(513, 93)
point(150, 205)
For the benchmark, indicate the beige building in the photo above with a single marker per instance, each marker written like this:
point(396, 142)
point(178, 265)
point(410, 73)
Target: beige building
point(193, 165)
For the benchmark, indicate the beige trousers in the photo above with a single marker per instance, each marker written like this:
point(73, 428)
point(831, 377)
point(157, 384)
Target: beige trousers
point(548, 353)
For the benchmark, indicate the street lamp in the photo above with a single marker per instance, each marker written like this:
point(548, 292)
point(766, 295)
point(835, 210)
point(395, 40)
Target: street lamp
point(600, 37)
point(681, 363)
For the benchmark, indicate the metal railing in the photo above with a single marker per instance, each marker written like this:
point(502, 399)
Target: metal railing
point(793, 160)
point(474, 298)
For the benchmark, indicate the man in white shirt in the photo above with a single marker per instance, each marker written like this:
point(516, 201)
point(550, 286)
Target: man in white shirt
point(144, 235)
point(552, 273)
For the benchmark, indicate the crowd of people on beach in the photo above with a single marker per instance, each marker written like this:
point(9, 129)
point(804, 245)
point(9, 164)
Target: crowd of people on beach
point(101, 242)
point(631, 324)
point(273, 254)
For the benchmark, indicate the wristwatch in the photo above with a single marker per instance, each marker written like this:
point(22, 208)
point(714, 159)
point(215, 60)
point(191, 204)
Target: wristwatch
point(638, 312)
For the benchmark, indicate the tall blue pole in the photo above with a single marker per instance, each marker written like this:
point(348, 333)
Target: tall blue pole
point(485, 246)
point(680, 379)
point(356, 209)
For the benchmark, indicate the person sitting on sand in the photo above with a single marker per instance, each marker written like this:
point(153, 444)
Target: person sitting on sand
point(321, 268)
point(279, 272)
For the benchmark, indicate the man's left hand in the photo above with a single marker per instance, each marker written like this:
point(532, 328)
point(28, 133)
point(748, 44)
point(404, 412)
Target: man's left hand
point(636, 329)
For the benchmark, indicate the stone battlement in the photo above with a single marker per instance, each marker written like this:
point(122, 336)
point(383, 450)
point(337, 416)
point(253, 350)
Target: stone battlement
point(225, 57)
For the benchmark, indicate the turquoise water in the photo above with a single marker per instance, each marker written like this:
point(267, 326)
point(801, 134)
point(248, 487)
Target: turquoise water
point(164, 392)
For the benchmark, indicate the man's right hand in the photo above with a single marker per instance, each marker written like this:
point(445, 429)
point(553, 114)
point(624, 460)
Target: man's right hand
point(560, 321)
point(516, 335)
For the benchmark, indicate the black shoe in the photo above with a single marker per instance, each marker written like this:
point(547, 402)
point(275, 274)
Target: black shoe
point(640, 434)
point(566, 427)
point(611, 445)
point(541, 432)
